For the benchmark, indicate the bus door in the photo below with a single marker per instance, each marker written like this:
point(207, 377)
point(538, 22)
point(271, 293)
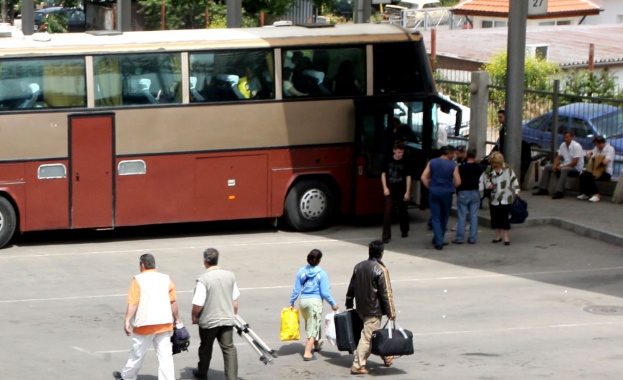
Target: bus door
point(372, 120)
point(92, 170)
point(374, 140)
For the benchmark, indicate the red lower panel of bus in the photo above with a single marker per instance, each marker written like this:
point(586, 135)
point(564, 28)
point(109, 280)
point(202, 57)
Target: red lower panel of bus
point(181, 187)
point(199, 187)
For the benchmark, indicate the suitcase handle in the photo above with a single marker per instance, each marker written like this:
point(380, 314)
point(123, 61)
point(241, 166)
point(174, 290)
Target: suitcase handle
point(389, 324)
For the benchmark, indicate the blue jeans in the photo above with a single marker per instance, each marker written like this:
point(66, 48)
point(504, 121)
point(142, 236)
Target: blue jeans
point(468, 200)
point(440, 205)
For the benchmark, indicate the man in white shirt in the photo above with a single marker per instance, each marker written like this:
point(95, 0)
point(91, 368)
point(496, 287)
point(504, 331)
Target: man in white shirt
point(215, 304)
point(601, 169)
point(572, 156)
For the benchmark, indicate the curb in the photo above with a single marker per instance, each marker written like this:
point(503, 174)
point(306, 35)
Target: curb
point(577, 228)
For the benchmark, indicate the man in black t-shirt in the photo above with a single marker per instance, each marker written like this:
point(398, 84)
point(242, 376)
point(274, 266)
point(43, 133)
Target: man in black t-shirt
point(396, 180)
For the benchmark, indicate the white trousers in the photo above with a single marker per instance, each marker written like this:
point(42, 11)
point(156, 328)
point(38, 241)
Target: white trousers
point(164, 352)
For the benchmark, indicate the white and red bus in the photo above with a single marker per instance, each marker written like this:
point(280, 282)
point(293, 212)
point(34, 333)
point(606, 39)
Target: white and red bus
point(106, 130)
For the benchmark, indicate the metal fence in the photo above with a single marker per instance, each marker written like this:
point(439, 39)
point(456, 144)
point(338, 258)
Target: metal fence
point(425, 19)
point(455, 84)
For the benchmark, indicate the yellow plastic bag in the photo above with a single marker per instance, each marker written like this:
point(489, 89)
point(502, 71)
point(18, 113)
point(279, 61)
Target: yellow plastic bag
point(290, 324)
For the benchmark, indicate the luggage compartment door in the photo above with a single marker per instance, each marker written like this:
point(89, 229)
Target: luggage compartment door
point(92, 170)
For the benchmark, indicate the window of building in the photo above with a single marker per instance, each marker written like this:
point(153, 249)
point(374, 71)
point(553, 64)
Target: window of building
point(493, 24)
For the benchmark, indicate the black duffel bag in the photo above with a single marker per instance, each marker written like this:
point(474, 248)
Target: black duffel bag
point(392, 340)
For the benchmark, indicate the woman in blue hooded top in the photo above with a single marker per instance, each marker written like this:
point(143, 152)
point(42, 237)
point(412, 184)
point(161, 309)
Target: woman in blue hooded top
point(312, 284)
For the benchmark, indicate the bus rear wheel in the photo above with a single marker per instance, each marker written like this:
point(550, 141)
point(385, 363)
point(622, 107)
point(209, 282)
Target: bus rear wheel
point(7, 221)
point(309, 205)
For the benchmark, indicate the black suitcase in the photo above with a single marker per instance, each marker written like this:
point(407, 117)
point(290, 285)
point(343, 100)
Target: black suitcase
point(348, 328)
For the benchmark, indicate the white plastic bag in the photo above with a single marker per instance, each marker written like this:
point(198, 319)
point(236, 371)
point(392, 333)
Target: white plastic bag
point(329, 328)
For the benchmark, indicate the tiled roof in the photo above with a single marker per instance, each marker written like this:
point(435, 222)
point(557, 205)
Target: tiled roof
point(500, 8)
point(568, 45)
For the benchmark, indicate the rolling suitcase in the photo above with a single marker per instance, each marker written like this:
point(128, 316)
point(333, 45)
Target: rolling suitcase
point(265, 353)
point(348, 328)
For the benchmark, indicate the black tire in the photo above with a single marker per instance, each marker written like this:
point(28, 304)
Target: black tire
point(309, 205)
point(7, 221)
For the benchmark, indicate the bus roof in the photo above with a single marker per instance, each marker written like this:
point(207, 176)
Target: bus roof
point(197, 39)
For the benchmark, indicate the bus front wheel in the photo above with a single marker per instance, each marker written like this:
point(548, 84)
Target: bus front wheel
point(7, 221)
point(309, 205)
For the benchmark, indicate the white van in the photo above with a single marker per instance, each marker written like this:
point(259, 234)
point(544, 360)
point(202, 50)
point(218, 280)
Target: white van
point(420, 9)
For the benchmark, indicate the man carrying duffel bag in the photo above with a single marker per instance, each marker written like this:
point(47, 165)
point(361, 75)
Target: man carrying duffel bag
point(371, 291)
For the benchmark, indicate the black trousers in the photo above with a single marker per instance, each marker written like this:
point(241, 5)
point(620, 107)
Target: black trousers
point(225, 337)
point(500, 215)
point(587, 183)
point(395, 198)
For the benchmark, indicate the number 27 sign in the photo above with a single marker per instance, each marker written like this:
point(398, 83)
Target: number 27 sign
point(537, 7)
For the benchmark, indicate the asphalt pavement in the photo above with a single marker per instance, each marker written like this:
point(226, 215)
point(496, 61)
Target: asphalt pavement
point(549, 306)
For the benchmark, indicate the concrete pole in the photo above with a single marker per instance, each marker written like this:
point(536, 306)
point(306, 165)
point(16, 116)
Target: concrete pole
point(362, 11)
point(28, 17)
point(479, 105)
point(126, 18)
point(517, 20)
point(234, 13)
point(120, 15)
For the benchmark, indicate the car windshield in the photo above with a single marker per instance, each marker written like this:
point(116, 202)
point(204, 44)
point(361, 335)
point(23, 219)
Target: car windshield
point(408, 5)
point(609, 125)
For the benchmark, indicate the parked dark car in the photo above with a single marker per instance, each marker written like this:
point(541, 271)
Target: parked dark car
point(585, 120)
point(73, 19)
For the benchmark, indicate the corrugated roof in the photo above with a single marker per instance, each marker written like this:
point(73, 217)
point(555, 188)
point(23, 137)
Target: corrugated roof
point(568, 45)
point(500, 8)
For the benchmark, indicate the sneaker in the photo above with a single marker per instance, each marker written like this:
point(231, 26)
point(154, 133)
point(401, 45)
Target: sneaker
point(386, 241)
point(359, 371)
point(558, 195)
point(117, 375)
point(454, 227)
point(583, 197)
point(594, 198)
point(404, 234)
point(540, 192)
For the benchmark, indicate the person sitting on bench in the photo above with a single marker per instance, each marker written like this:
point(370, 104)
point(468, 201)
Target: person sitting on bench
point(571, 154)
point(599, 168)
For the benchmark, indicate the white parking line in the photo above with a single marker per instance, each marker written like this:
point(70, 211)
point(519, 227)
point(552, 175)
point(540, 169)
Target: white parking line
point(21, 255)
point(259, 288)
point(432, 333)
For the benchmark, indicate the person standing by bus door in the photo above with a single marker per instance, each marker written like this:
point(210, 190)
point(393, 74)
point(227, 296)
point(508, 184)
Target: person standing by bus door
point(441, 177)
point(152, 309)
point(396, 180)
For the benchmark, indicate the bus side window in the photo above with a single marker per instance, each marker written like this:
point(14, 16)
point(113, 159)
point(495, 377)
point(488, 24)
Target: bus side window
point(401, 68)
point(231, 75)
point(32, 100)
point(325, 72)
point(137, 79)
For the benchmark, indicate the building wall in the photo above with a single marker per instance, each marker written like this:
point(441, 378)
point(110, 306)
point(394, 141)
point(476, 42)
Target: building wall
point(612, 13)
point(503, 21)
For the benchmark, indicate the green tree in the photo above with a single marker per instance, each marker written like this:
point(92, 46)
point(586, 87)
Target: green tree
point(537, 77)
point(602, 84)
